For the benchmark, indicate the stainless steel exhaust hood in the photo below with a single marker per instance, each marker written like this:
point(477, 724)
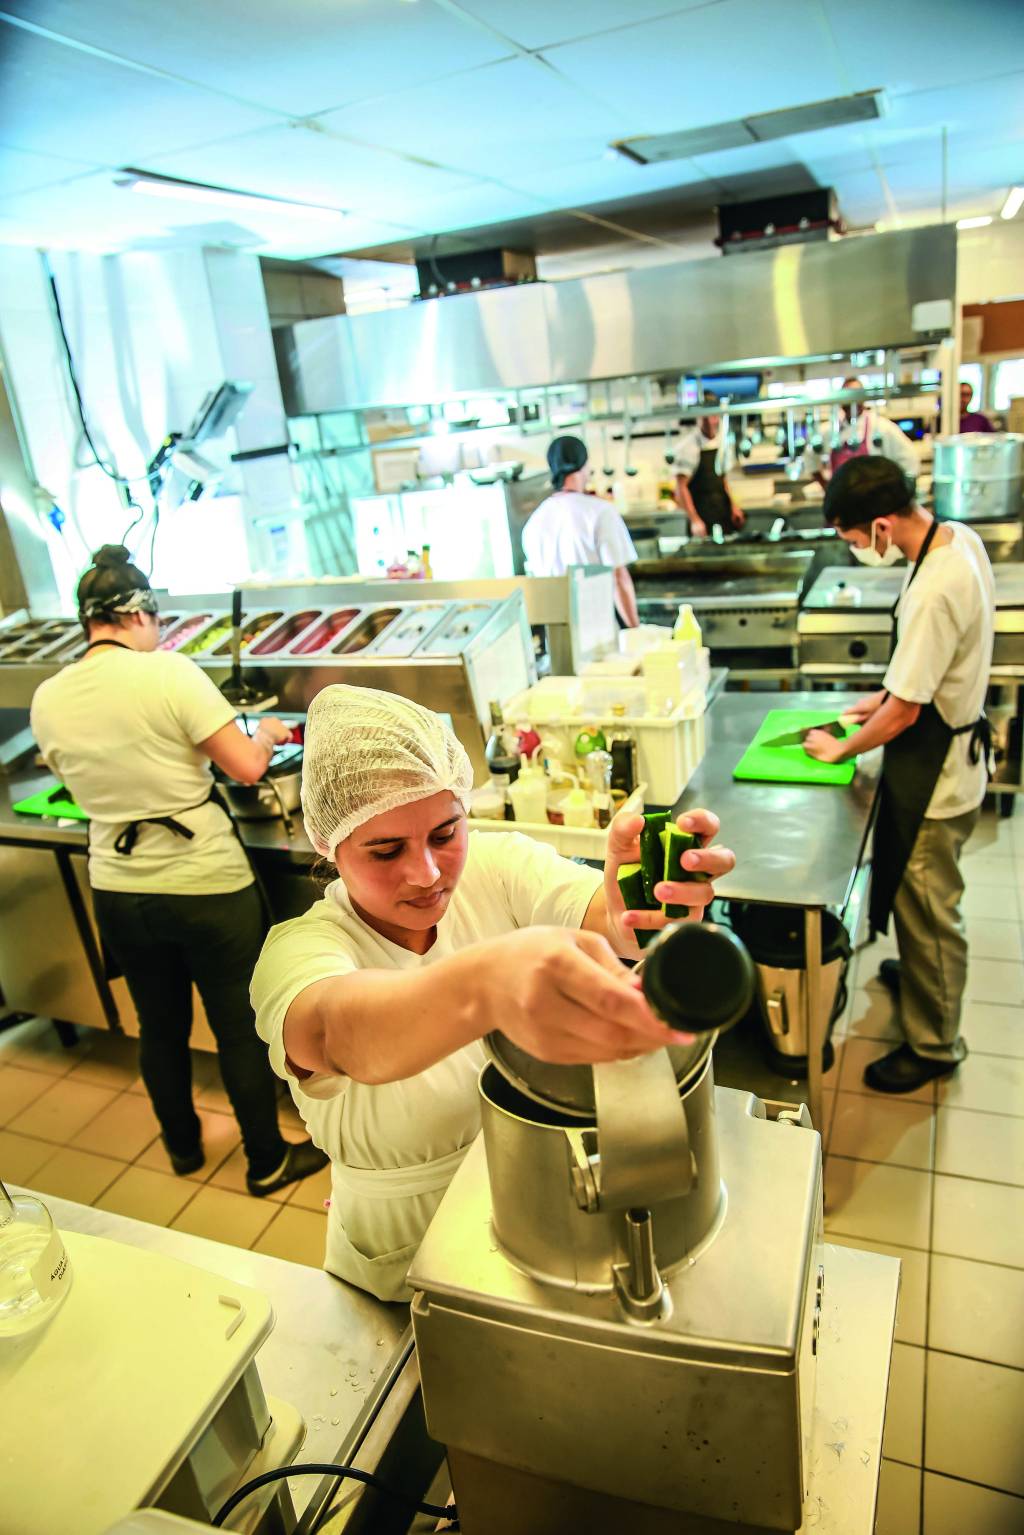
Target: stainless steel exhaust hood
point(802, 301)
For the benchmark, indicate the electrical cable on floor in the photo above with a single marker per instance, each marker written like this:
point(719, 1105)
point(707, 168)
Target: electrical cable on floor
point(317, 1468)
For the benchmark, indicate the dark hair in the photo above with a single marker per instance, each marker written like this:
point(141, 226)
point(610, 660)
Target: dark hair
point(566, 456)
point(863, 489)
point(110, 578)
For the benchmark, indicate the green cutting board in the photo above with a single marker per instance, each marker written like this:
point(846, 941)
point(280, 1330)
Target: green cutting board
point(790, 764)
point(41, 804)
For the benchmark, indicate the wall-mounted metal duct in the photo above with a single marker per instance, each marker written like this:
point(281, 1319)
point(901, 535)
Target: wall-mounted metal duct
point(773, 306)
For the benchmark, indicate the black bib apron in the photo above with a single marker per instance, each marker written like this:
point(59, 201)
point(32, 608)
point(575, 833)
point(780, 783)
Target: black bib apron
point(911, 765)
point(710, 497)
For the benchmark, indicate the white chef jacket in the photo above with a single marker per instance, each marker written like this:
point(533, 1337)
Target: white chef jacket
point(691, 443)
point(570, 528)
point(120, 728)
point(946, 620)
point(395, 1146)
point(894, 444)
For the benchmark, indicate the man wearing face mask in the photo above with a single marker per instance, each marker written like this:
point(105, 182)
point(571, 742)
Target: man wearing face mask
point(929, 718)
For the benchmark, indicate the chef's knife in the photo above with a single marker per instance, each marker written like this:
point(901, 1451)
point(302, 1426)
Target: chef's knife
point(835, 728)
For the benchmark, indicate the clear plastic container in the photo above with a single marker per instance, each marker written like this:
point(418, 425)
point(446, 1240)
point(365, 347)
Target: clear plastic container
point(35, 1272)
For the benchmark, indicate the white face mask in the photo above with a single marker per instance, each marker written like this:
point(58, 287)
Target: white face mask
point(876, 557)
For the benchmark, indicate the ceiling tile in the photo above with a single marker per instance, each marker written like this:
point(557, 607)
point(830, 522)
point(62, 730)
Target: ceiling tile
point(709, 65)
point(298, 58)
point(56, 98)
point(499, 121)
point(308, 166)
point(540, 24)
point(916, 43)
point(21, 171)
point(611, 176)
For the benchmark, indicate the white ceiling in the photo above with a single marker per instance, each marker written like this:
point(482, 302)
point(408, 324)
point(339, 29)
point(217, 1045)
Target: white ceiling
point(410, 118)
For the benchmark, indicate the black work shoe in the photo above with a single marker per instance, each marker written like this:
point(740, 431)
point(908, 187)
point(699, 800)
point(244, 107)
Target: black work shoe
point(890, 974)
point(299, 1161)
point(902, 1071)
point(190, 1162)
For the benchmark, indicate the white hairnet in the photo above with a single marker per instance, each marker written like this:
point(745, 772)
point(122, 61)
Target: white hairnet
point(367, 752)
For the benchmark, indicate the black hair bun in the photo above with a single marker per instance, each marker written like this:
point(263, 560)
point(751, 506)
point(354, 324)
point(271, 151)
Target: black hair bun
point(110, 556)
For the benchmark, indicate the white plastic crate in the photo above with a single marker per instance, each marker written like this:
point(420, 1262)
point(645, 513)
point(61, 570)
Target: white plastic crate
point(669, 748)
point(570, 841)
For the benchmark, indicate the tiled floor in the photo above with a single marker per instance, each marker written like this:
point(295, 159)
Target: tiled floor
point(78, 1123)
point(936, 1179)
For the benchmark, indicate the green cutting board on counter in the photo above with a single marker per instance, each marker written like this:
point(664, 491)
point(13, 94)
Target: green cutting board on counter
point(42, 804)
point(790, 764)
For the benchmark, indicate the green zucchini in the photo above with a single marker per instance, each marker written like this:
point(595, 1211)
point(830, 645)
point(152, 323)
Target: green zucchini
point(652, 854)
point(675, 844)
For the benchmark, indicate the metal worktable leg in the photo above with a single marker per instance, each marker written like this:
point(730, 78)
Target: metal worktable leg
point(815, 1024)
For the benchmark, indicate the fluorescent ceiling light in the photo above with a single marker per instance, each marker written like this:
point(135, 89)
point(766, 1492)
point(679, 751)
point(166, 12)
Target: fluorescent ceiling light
point(978, 223)
point(197, 192)
point(1011, 207)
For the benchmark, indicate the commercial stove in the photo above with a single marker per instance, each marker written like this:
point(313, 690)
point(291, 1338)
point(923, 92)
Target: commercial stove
point(745, 592)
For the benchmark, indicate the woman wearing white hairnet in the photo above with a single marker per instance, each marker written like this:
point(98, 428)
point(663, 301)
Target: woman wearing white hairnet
point(374, 1002)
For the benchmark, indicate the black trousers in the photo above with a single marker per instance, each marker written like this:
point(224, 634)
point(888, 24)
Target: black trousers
point(163, 943)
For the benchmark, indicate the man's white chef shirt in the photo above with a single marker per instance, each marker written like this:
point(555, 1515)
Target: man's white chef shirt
point(885, 439)
point(570, 528)
point(946, 620)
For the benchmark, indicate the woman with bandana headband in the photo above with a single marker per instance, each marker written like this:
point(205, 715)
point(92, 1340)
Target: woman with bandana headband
point(132, 731)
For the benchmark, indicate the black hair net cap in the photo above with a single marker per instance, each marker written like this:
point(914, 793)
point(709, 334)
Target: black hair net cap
point(565, 456)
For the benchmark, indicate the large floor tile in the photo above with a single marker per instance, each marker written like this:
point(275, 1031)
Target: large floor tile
point(877, 1129)
point(961, 1508)
point(20, 1157)
point(993, 1029)
point(903, 1438)
point(912, 1307)
point(984, 1221)
point(995, 980)
point(994, 940)
point(977, 1309)
point(853, 1054)
point(974, 1417)
point(220, 1137)
point(231, 1175)
point(113, 1061)
point(146, 1196)
point(78, 1175)
point(222, 1216)
point(993, 1084)
point(123, 1130)
point(990, 869)
point(65, 1108)
point(884, 1204)
point(35, 1046)
point(969, 1144)
point(899, 1499)
point(992, 903)
point(314, 1192)
point(298, 1235)
point(18, 1089)
point(873, 1016)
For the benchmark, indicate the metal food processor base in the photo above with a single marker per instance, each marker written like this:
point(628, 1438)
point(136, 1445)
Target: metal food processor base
point(594, 1421)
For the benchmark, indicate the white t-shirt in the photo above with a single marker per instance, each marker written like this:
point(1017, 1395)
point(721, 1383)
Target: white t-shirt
point(946, 620)
point(394, 1147)
point(893, 443)
point(120, 728)
point(692, 443)
point(570, 528)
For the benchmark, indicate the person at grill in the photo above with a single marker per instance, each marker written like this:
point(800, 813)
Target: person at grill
point(863, 433)
point(702, 461)
point(929, 718)
point(131, 731)
point(374, 1003)
point(972, 420)
point(576, 527)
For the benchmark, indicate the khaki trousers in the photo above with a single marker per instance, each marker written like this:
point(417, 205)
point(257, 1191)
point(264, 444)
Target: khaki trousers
point(931, 938)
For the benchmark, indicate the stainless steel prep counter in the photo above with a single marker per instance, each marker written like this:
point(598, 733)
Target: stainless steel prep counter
point(796, 845)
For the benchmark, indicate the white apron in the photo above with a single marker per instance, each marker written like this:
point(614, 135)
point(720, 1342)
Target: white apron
point(383, 1211)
